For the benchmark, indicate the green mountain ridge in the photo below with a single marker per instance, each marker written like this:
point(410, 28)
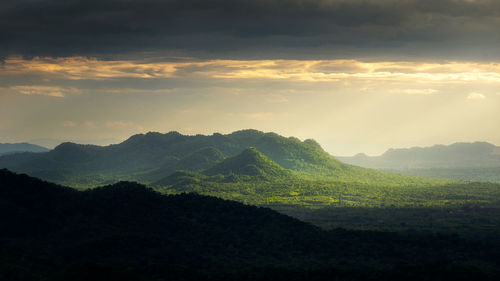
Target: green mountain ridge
point(152, 156)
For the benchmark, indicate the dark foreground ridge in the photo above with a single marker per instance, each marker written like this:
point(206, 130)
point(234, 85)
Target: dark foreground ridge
point(126, 231)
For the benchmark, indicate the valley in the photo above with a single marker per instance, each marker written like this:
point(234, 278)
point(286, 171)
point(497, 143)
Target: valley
point(295, 177)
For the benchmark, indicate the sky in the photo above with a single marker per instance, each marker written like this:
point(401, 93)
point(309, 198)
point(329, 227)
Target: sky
point(355, 75)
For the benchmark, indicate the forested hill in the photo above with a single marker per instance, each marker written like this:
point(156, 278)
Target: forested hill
point(152, 156)
point(7, 148)
point(250, 162)
point(129, 232)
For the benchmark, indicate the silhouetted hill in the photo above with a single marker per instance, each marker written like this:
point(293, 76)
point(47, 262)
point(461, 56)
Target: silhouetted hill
point(152, 156)
point(462, 161)
point(250, 162)
point(7, 148)
point(126, 231)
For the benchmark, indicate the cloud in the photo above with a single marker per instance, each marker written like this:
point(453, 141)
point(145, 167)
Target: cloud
point(261, 116)
point(110, 124)
point(80, 68)
point(68, 124)
point(51, 91)
point(124, 125)
point(241, 29)
point(87, 68)
point(476, 96)
point(276, 99)
point(420, 91)
point(90, 125)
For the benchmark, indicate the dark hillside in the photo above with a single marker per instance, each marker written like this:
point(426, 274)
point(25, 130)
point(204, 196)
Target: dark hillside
point(129, 232)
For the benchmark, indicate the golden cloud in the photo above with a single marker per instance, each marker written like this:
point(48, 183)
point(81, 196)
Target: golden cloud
point(420, 91)
point(476, 96)
point(76, 68)
point(39, 90)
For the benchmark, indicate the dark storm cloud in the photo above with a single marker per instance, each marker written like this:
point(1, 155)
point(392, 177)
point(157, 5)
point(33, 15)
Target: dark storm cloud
point(249, 29)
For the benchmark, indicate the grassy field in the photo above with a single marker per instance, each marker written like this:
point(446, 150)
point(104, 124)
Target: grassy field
point(320, 193)
point(417, 206)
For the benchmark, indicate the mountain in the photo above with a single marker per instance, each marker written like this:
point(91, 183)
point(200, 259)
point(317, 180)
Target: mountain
point(126, 231)
point(152, 156)
point(201, 159)
point(249, 165)
point(8, 148)
point(458, 161)
point(250, 162)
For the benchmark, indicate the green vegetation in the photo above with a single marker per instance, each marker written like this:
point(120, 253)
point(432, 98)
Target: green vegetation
point(322, 193)
point(128, 232)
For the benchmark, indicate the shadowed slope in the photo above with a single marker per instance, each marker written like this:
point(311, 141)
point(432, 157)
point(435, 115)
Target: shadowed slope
point(129, 232)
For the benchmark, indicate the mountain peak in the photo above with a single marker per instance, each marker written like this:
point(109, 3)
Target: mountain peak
point(247, 132)
point(252, 151)
point(70, 151)
point(65, 145)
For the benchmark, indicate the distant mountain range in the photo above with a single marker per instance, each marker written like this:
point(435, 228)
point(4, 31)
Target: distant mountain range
point(463, 161)
point(8, 148)
point(128, 232)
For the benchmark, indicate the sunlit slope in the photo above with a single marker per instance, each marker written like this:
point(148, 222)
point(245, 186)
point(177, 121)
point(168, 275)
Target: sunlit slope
point(323, 192)
point(150, 157)
point(252, 178)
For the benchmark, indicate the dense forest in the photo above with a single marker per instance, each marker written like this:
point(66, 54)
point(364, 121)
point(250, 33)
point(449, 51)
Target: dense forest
point(127, 231)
